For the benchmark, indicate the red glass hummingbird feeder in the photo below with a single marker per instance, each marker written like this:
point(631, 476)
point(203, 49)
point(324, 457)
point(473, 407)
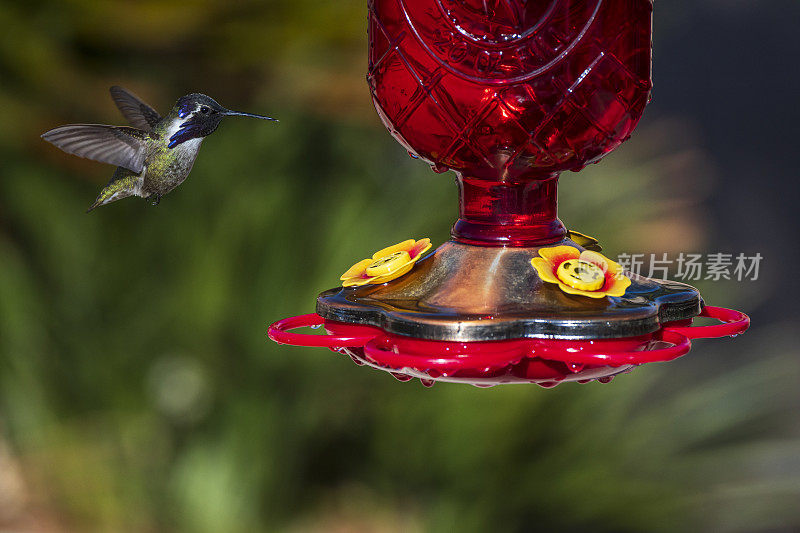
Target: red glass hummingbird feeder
point(508, 94)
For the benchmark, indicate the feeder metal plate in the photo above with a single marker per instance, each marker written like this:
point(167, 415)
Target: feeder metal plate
point(473, 293)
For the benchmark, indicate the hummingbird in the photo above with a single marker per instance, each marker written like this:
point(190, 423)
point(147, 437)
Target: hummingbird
point(153, 155)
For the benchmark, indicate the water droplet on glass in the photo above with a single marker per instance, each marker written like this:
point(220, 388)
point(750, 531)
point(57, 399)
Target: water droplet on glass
point(427, 382)
point(575, 367)
point(413, 155)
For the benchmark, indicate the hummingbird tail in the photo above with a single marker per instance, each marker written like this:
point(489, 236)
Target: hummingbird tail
point(123, 184)
point(106, 198)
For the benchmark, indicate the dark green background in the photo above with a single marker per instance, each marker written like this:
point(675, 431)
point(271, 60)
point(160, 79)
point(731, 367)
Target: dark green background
point(138, 391)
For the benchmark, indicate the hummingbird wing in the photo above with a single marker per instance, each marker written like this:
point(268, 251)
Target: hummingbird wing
point(134, 109)
point(120, 146)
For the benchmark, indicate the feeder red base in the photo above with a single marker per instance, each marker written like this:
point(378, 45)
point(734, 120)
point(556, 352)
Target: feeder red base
point(546, 362)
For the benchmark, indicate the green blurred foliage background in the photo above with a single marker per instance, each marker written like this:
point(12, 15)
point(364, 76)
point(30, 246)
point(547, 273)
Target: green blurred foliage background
point(138, 391)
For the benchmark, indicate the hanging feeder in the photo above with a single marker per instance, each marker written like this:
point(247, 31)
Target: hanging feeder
point(508, 95)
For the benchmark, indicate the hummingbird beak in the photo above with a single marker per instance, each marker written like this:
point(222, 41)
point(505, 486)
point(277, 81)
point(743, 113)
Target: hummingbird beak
point(229, 113)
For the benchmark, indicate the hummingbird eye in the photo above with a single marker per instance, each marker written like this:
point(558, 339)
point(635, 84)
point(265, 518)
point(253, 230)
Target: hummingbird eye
point(205, 109)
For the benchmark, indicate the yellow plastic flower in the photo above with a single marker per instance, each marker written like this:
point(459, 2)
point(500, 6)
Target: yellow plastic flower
point(584, 273)
point(387, 264)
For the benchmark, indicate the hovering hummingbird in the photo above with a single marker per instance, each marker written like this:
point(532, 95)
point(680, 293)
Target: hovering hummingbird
point(153, 156)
